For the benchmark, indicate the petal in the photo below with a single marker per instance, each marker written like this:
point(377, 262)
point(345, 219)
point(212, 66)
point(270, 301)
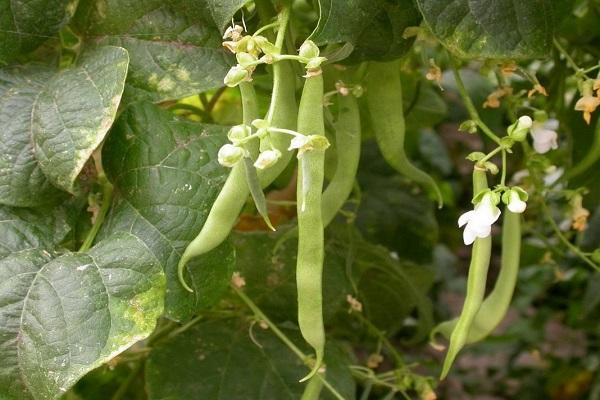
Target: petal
point(486, 211)
point(542, 147)
point(480, 230)
point(551, 124)
point(517, 206)
point(465, 218)
point(468, 236)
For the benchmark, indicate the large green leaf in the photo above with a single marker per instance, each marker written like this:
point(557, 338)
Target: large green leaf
point(167, 176)
point(491, 28)
point(22, 229)
point(374, 27)
point(174, 45)
point(62, 317)
point(52, 122)
point(218, 360)
point(26, 24)
point(267, 261)
point(393, 213)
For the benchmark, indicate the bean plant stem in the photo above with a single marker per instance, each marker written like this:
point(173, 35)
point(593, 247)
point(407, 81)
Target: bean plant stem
point(282, 336)
point(381, 336)
point(122, 390)
point(503, 177)
point(570, 61)
point(107, 194)
point(471, 107)
point(571, 246)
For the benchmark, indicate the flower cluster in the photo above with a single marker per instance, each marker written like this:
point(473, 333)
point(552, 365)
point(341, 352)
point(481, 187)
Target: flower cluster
point(478, 222)
point(247, 50)
point(232, 153)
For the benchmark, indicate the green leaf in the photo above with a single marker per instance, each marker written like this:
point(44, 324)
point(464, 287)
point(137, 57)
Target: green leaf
point(22, 229)
point(218, 360)
point(63, 317)
point(397, 216)
point(52, 122)
point(167, 177)
point(492, 28)
point(267, 261)
point(374, 28)
point(24, 25)
point(175, 45)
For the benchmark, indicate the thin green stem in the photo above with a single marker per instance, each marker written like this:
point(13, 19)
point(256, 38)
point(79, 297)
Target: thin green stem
point(265, 27)
point(214, 99)
point(305, 359)
point(260, 315)
point(491, 154)
point(107, 194)
point(503, 177)
point(570, 61)
point(286, 131)
point(284, 18)
point(381, 336)
point(122, 390)
point(471, 107)
point(566, 241)
point(292, 57)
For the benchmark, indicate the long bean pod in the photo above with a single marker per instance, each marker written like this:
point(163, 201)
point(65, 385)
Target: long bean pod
point(309, 268)
point(384, 100)
point(478, 268)
point(230, 201)
point(347, 142)
point(496, 304)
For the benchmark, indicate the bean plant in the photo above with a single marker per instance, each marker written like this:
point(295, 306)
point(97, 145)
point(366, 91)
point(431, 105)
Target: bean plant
point(299, 199)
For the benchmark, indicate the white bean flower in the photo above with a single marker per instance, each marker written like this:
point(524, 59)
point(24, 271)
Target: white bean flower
point(544, 136)
point(229, 155)
point(307, 143)
point(479, 220)
point(267, 158)
point(515, 200)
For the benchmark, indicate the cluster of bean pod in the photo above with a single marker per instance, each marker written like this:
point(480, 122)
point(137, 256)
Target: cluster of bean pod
point(260, 149)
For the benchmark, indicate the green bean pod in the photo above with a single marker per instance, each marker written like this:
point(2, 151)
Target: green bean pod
point(347, 142)
point(496, 305)
point(478, 269)
point(384, 100)
point(313, 388)
point(309, 268)
point(225, 210)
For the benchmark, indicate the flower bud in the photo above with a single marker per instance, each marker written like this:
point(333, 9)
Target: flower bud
point(514, 199)
point(307, 143)
point(267, 158)
point(238, 132)
point(518, 130)
point(315, 63)
point(468, 126)
point(236, 75)
point(265, 46)
point(245, 59)
point(229, 155)
point(309, 50)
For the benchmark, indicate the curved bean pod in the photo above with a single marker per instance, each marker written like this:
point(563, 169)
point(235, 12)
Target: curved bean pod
point(384, 100)
point(496, 305)
point(347, 142)
point(230, 201)
point(480, 261)
point(309, 267)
